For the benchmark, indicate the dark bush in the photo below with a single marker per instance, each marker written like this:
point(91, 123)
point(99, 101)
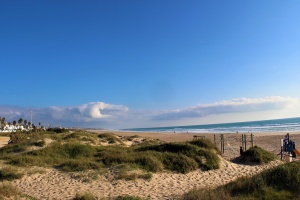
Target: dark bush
point(149, 162)
point(9, 174)
point(257, 155)
point(110, 138)
point(179, 163)
point(204, 143)
point(79, 165)
point(127, 197)
point(58, 130)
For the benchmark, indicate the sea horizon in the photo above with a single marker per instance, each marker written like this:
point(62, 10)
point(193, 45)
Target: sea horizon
point(272, 125)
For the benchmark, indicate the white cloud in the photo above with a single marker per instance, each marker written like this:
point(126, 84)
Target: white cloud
point(241, 105)
point(90, 114)
point(103, 115)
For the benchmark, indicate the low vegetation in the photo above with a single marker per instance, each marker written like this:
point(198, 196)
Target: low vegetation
point(85, 196)
point(110, 138)
point(8, 191)
point(257, 155)
point(281, 183)
point(9, 173)
point(89, 196)
point(76, 151)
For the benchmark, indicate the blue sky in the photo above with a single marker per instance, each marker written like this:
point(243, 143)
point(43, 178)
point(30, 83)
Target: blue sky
point(120, 64)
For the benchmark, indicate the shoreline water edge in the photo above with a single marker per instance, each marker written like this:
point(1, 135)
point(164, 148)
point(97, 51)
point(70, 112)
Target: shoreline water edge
point(263, 126)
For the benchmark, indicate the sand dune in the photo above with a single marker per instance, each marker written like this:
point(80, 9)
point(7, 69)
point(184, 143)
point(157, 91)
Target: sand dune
point(59, 185)
point(54, 184)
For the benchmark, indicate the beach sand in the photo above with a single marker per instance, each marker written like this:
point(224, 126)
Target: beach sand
point(53, 184)
point(3, 141)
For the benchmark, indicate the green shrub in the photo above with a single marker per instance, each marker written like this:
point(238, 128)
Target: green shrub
point(127, 197)
point(75, 135)
point(79, 165)
point(18, 137)
point(204, 194)
point(9, 173)
point(182, 148)
point(8, 190)
point(129, 176)
point(76, 150)
point(179, 163)
point(26, 161)
point(40, 143)
point(204, 158)
point(85, 196)
point(115, 155)
point(149, 162)
point(12, 148)
point(110, 138)
point(284, 177)
point(55, 154)
point(204, 143)
point(257, 155)
point(58, 130)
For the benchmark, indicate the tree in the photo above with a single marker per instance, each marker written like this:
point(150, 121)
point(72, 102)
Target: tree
point(20, 121)
point(29, 123)
point(14, 123)
point(25, 122)
point(3, 123)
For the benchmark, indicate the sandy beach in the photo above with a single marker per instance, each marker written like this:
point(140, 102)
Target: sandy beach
point(53, 184)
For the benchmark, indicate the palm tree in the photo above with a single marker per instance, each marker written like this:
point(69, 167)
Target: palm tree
point(3, 123)
point(20, 121)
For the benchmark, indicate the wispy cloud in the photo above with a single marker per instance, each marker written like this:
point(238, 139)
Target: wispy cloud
point(100, 114)
point(231, 106)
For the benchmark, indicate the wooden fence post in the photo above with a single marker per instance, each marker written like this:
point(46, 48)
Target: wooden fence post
point(252, 141)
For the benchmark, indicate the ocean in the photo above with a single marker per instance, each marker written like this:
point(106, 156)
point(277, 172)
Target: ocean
point(276, 125)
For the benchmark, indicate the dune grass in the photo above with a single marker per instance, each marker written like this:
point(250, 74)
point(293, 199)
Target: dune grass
point(110, 138)
point(7, 190)
point(89, 196)
point(257, 155)
point(9, 173)
point(71, 154)
point(281, 182)
point(185, 157)
point(85, 196)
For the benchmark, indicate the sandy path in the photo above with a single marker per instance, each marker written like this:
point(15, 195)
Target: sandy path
point(3, 141)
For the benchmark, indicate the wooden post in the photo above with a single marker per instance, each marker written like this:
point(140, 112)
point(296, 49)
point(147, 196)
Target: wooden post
point(252, 140)
point(222, 143)
point(245, 142)
point(243, 146)
point(215, 139)
point(281, 148)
